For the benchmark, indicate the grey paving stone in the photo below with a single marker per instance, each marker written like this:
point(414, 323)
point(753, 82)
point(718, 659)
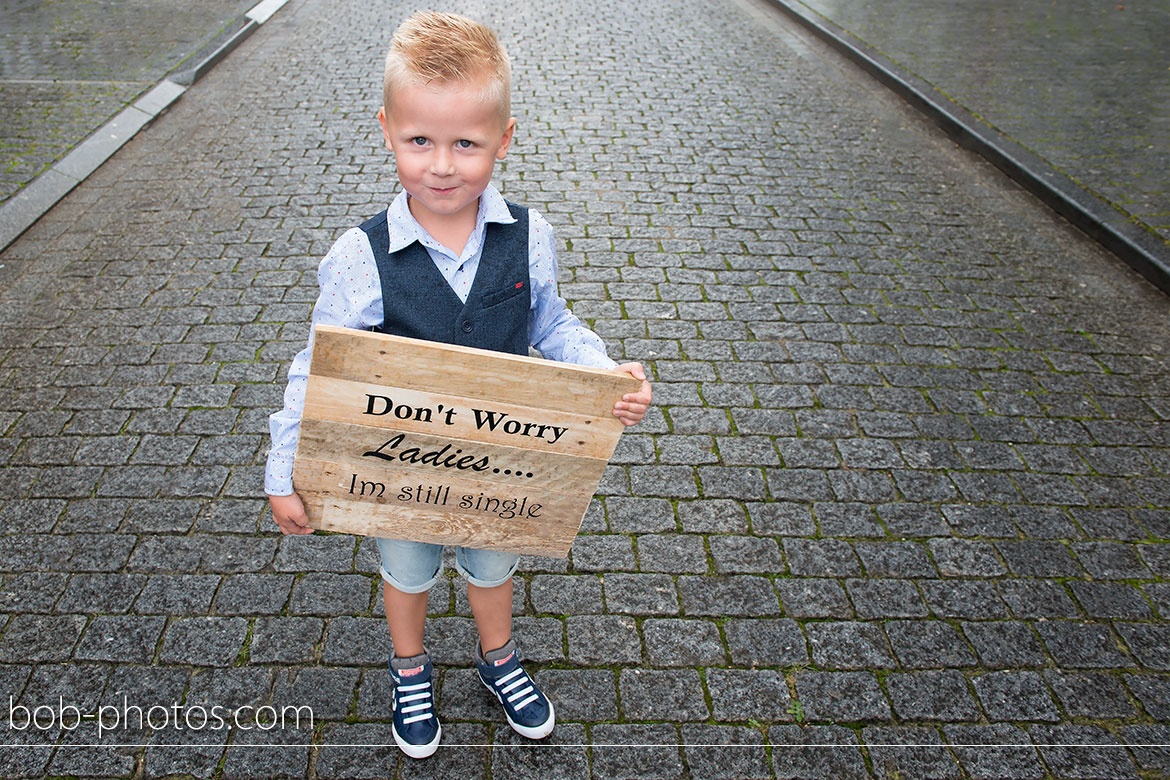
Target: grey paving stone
point(274, 753)
point(351, 641)
point(603, 552)
point(635, 751)
point(745, 555)
point(732, 595)
point(971, 599)
point(672, 695)
point(682, 643)
point(813, 598)
point(849, 645)
point(204, 641)
point(1082, 751)
point(581, 694)
point(639, 515)
point(1110, 600)
point(564, 755)
point(781, 519)
point(1148, 643)
point(1015, 696)
point(603, 639)
point(176, 594)
point(842, 697)
point(877, 598)
point(641, 594)
point(328, 692)
point(965, 558)
point(253, 594)
point(934, 695)
point(673, 553)
point(331, 594)
point(1153, 692)
point(820, 558)
point(765, 643)
point(1110, 560)
point(1037, 599)
point(315, 553)
point(996, 752)
point(713, 516)
point(748, 695)
point(566, 594)
point(1090, 694)
point(1150, 759)
point(1005, 644)
point(894, 559)
point(816, 752)
point(285, 639)
point(119, 638)
point(345, 761)
point(928, 644)
point(708, 757)
point(1081, 645)
point(909, 751)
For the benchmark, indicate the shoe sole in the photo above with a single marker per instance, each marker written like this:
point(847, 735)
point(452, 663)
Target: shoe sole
point(418, 751)
point(532, 732)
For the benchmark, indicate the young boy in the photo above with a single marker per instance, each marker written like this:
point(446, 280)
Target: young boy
point(450, 260)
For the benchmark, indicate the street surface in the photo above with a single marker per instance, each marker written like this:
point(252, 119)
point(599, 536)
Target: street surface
point(905, 490)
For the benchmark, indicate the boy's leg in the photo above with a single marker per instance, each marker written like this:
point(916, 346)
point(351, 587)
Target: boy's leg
point(409, 569)
point(489, 593)
point(406, 615)
point(492, 609)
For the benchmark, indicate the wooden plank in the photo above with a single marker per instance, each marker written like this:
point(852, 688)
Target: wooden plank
point(374, 451)
point(342, 353)
point(452, 510)
point(363, 403)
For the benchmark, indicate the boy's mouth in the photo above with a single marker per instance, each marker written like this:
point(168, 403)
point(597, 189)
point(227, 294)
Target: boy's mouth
point(442, 190)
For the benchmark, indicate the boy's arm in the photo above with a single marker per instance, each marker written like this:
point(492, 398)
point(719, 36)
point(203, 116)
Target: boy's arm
point(559, 334)
point(349, 297)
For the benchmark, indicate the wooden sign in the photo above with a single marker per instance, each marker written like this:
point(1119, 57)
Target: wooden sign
point(438, 443)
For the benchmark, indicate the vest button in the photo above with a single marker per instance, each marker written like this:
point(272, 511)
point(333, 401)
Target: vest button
point(466, 326)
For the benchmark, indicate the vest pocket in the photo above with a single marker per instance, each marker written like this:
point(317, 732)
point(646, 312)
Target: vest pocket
point(504, 293)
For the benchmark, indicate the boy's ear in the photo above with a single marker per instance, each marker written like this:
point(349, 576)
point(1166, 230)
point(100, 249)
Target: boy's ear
point(506, 140)
point(385, 127)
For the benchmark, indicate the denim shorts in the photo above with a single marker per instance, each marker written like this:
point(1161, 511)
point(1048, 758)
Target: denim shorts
point(413, 567)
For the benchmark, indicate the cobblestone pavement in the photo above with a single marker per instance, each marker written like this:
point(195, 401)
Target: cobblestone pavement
point(67, 66)
point(1081, 83)
point(901, 510)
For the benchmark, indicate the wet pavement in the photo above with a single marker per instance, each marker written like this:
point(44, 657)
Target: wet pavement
point(1084, 84)
point(68, 66)
point(901, 509)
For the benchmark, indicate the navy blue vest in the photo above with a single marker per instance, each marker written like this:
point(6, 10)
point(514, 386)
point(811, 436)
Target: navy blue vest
point(417, 301)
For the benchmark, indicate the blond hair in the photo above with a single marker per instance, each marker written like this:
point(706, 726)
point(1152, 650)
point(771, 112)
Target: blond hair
point(432, 47)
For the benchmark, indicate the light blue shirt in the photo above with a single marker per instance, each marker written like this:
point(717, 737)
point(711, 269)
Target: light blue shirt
point(351, 297)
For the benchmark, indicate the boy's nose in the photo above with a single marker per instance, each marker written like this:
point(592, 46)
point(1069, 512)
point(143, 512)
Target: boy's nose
point(442, 164)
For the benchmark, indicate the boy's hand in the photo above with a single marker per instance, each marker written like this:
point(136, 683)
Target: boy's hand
point(632, 408)
point(289, 514)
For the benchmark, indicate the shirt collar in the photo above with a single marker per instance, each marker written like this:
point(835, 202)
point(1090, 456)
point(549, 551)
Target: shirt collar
point(404, 229)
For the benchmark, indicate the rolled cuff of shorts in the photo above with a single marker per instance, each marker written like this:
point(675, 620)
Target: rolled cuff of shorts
point(461, 567)
point(423, 588)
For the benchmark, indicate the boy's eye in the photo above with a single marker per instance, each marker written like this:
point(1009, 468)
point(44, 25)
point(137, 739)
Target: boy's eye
point(464, 144)
point(418, 141)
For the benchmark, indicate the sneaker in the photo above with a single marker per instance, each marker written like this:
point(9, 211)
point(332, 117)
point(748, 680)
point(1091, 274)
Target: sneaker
point(416, 726)
point(529, 711)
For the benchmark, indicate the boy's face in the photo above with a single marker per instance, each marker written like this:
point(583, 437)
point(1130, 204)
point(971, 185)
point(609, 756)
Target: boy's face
point(446, 140)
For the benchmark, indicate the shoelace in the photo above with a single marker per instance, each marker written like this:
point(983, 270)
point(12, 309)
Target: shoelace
point(522, 682)
point(423, 697)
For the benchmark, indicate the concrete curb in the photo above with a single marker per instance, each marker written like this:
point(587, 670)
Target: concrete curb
point(1123, 235)
point(32, 201)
